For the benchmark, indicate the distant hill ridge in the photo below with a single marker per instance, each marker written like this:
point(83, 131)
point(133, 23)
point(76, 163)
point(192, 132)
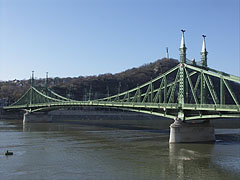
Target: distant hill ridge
point(91, 87)
point(81, 88)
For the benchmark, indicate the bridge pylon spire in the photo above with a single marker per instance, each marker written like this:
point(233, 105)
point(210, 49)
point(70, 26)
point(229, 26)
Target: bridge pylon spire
point(204, 65)
point(183, 49)
point(204, 52)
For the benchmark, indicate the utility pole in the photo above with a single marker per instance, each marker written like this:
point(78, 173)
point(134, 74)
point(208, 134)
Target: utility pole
point(108, 92)
point(46, 80)
point(32, 79)
point(90, 93)
point(167, 54)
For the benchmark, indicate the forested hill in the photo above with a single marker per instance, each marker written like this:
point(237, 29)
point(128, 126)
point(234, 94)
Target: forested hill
point(85, 87)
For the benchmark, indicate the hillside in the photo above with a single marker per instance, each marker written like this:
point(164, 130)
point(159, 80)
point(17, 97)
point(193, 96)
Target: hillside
point(83, 88)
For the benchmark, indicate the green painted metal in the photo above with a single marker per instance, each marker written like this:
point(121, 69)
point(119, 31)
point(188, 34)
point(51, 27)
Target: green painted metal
point(222, 91)
point(189, 91)
point(231, 92)
point(182, 80)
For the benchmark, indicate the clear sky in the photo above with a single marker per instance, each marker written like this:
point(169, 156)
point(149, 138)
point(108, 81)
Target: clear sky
point(70, 38)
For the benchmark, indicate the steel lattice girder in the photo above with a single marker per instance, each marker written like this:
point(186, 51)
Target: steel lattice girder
point(159, 96)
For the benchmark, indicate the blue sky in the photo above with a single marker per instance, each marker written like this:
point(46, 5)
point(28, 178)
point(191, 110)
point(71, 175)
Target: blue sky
point(70, 38)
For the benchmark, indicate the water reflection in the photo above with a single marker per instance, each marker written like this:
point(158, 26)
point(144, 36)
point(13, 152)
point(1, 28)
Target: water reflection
point(32, 127)
point(193, 156)
point(213, 161)
point(186, 152)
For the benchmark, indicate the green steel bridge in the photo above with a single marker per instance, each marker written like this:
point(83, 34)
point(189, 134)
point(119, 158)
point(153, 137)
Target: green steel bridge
point(189, 91)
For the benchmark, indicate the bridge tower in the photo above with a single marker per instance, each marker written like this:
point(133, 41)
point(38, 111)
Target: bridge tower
point(182, 78)
point(180, 131)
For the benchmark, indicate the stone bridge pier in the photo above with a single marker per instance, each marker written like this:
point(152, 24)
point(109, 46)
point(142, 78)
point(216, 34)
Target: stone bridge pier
point(182, 132)
point(36, 117)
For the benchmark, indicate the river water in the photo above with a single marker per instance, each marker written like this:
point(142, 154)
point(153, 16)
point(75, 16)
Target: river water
point(73, 151)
